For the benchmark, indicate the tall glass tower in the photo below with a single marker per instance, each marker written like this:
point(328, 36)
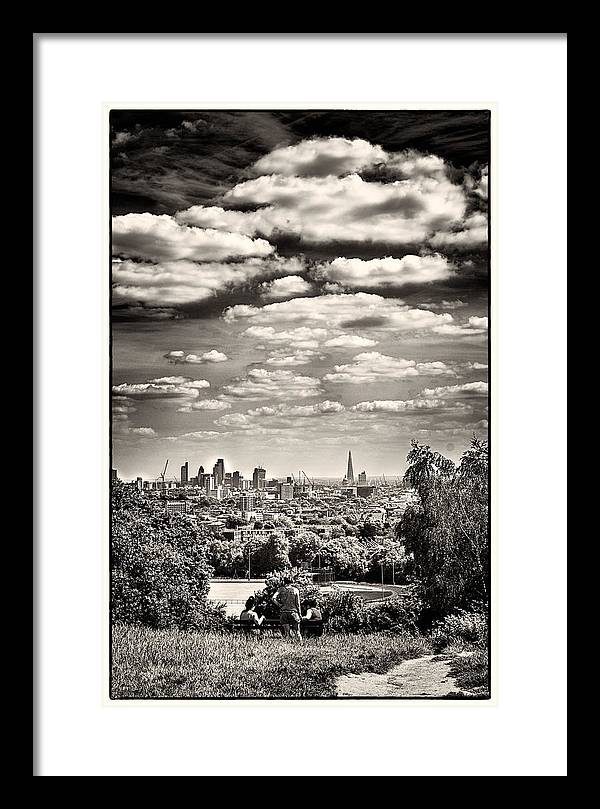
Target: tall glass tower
point(350, 470)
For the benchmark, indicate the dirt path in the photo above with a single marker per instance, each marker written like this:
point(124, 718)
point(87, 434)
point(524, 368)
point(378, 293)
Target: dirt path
point(422, 677)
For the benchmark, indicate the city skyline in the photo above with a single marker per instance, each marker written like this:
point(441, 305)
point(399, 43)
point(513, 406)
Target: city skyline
point(287, 285)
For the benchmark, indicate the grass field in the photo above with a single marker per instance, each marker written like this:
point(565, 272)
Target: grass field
point(170, 664)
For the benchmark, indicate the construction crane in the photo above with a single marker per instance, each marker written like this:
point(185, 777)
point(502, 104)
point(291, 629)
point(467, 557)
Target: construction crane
point(162, 479)
point(309, 480)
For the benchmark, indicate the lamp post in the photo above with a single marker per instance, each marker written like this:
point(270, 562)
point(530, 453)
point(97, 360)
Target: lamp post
point(249, 554)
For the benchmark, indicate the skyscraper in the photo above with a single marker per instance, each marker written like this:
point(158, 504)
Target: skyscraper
point(219, 471)
point(350, 470)
point(362, 479)
point(236, 480)
point(184, 474)
point(258, 477)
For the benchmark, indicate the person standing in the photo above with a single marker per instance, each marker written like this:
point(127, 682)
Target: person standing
point(287, 598)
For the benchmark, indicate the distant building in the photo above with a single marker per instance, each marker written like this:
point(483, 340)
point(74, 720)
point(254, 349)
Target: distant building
point(286, 491)
point(217, 492)
point(364, 491)
point(362, 479)
point(113, 474)
point(236, 480)
point(184, 474)
point(176, 506)
point(248, 502)
point(258, 477)
point(349, 479)
point(219, 471)
point(200, 475)
point(139, 484)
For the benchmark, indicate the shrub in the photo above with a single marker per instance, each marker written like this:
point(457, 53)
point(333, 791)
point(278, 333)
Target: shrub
point(300, 579)
point(398, 614)
point(344, 611)
point(461, 628)
point(159, 573)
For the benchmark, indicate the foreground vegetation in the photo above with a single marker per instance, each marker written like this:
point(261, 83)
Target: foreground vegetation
point(174, 664)
point(170, 641)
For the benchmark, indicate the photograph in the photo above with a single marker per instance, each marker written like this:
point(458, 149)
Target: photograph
point(299, 360)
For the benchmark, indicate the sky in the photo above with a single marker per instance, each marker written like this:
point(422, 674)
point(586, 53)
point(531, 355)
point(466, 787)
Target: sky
point(291, 285)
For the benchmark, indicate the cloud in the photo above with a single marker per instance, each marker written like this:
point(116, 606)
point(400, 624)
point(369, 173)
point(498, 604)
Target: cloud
point(479, 186)
point(299, 357)
point(177, 283)
point(204, 404)
point(466, 389)
point(350, 209)
point(161, 238)
point(246, 222)
point(386, 272)
point(472, 232)
point(349, 341)
point(400, 406)
point(449, 306)
point(358, 310)
point(371, 366)
point(477, 366)
point(199, 435)
point(287, 287)
point(146, 431)
point(260, 383)
point(181, 358)
point(473, 327)
point(166, 387)
point(304, 411)
point(320, 157)
point(299, 338)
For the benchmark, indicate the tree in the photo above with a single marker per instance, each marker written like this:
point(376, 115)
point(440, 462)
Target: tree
point(159, 572)
point(447, 534)
point(303, 547)
point(424, 465)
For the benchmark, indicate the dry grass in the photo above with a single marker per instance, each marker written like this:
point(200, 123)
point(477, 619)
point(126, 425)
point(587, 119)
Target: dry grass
point(170, 664)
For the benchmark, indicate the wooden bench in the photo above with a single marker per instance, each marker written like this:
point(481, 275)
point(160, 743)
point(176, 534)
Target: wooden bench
point(307, 628)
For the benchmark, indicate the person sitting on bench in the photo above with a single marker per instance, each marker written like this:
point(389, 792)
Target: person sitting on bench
point(313, 613)
point(250, 616)
point(287, 598)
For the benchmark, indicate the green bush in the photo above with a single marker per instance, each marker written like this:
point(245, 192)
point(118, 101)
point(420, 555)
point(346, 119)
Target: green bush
point(461, 628)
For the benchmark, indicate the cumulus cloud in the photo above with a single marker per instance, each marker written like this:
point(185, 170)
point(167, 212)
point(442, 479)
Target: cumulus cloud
point(304, 411)
point(448, 306)
point(349, 341)
point(402, 406)
point(260, 383)
point(298, 357)
point(177, 283)
point(466, 389)
point(181, 358)
point(288, 287)
point(385, 272)
point(348, 209)
point(470, 233)
point(371, 366)
point(165, 387)
point(213, 217)
point(473, 327)
point(320, 157)
point(300, 338)
point(161, 238)
point(204, 404)
point(357, 310)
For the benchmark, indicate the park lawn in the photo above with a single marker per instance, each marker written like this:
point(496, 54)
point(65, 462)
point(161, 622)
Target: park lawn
point(149, 663)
